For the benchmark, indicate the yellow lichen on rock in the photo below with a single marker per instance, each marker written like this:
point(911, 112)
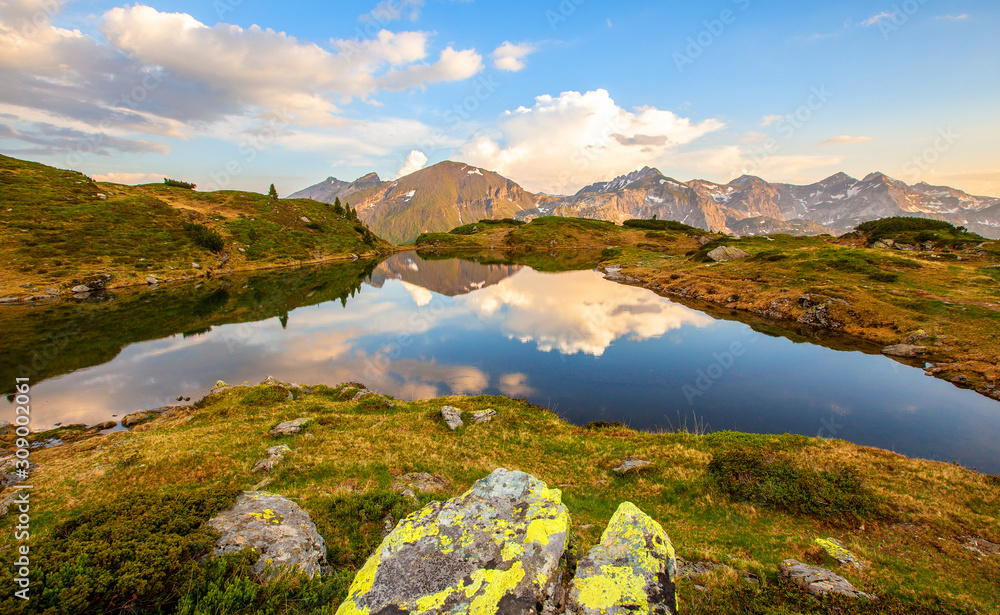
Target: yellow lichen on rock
point(614, 585)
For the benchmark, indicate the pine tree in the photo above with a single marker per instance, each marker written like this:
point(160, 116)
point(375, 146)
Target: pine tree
point(337, 207)
point(273, 193)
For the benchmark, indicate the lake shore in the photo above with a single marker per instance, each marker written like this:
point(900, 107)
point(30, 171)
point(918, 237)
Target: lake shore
point(735, 505)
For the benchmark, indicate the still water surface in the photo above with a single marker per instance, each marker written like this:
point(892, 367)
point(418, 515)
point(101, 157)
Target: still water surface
point(589, 348)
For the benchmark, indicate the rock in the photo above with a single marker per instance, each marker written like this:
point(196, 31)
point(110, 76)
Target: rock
point(917, 336)
point(387, 525)
point(494, 549)
point(304, 219)
point(106, 425)
point(631, 571)
point(150, 279)
point(290, 428)
point(137, 418)
point(279, 449)
point(5, 428)
point(704, 240)
point(904, 350)
point(631, 464)
point(839, 552)
point(276, 528)
point(819, 581)
point(80, 288)
point(452, 416)
point(819, 316)
point(420, 481)
point(268, 463)
point(725, 253)
point(195, 266)
point(961, 380)
point(485, 416)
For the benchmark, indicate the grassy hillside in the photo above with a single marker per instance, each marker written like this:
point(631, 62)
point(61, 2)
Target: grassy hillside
point(739, 502)
point(58, 228)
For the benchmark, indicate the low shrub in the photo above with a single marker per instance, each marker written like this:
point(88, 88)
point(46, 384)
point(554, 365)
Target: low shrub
point(205, 237)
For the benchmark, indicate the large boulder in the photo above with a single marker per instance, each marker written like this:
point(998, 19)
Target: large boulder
point(631, 571)
point(907, 351)
point(725, 253)
point(819, 581)
point(276, 528)
point(494, 549)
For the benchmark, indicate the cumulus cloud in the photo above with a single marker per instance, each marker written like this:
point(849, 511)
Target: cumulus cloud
point(515, 385)
point(510, 57)
point(564, 142)
point(451, 66)
point(48, 139)
point(845, 140)
point(414, 162)
point(131, 179)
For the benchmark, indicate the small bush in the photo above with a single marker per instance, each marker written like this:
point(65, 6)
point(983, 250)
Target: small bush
point(610, 253)
point(373, 403)
point(751, 475)
point(265, 396)
point(660, 225)
point(887, 227)
point(176, 183)
point(205, 237)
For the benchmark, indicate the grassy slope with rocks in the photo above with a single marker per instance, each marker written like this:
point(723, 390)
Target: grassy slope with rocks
point(950, 291)
point(59, 228)
point(118, 519)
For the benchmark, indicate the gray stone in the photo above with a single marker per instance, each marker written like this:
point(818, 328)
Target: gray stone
point(819, 581)
point(304, 219)
point(704, 240)
point(908, 351)
point(137, 418)
point(494, 549)
point(276, 528)
point(485, 416)
point(420, 482)
point(836, 549)
point(725, 253)
point(268, 463)
point(917, 336)
point(631, 464)
point(290, 428)
point(631, 571)
point(5, 427)
point(195, 266)
point(80, 288)
point(279, 449)
point(150, 279)
point(452, 416)
point(819, 316)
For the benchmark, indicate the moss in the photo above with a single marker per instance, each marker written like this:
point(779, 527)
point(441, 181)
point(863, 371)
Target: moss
point(838, 495)
point(261, 396)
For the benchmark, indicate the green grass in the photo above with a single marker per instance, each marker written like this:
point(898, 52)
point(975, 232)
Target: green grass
point(746, 500)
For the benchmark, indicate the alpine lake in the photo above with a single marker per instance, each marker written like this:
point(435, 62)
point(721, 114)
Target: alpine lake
point(552, 330)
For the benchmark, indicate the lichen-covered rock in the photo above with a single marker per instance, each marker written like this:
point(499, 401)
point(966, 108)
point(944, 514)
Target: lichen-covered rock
point(631, 464)
point(452, 416)
point(276, 528)
point(494, 549)
point(137, 418)
point(290, 428)
point(632, 570)
point(485, 416)
point(839, 552)
point(819, 581)
point(725, 253)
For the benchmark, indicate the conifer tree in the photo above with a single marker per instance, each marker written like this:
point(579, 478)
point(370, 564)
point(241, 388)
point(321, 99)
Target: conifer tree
point(338, 209)
point(273, 193)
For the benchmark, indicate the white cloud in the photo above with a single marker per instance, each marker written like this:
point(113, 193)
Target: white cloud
point(845, 140)
point(961, 17)
point(452, 66)
point(515, 385)
point(767, 120)
point(131, 179)
point(874, 19)
point(391, 10)
point(414, 162)
point(565, 142)
point(509, 57)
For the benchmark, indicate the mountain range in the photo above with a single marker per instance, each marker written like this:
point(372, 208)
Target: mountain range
point(449, 194)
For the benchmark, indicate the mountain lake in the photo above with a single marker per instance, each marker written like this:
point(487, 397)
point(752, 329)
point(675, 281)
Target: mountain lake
point(588, 348)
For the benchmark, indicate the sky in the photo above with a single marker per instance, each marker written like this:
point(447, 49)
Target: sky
point(554, 94)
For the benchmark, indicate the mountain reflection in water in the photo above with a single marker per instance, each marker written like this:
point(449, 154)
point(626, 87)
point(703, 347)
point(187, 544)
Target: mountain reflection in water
point(589, 348)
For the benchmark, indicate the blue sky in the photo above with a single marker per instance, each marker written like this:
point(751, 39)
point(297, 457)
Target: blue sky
point(555, 95)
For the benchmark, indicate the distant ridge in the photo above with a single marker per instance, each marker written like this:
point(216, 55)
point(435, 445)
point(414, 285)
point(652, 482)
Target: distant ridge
point(452, 193)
